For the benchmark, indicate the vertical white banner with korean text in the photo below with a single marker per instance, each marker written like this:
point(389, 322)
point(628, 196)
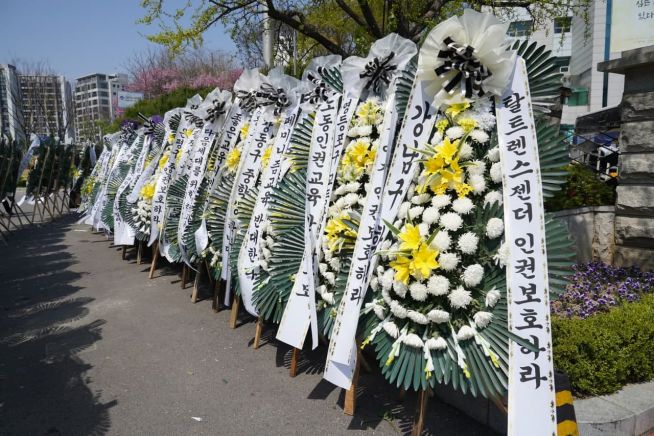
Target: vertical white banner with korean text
point(532, 406)
point(415, 130)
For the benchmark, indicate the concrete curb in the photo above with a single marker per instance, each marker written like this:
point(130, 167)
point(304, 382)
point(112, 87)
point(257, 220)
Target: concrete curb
point(627, 412)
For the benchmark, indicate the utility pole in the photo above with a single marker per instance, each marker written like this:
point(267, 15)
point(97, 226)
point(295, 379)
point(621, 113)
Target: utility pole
point(267, 39)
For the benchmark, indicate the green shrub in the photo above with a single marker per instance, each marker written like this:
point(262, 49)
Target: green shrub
point(606, 351)
point(582, 188)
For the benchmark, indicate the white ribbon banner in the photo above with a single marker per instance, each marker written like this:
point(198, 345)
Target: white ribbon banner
point(249, 254)
point(415, 131)
point(532, 405)
point(328, 137)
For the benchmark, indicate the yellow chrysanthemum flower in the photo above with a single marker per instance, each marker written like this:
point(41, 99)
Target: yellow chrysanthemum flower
point(424, 260)
point(171, 138)
point(163, 160)
point(455, 109)
point(265, 157)
point(147, 191)
point(410, 237)
point(359, 154)
point(468, 124)
point(233, 158)
point(244, 130)
point(403, 268)
point(188, 133)
point(441, 125)
point(178, 156)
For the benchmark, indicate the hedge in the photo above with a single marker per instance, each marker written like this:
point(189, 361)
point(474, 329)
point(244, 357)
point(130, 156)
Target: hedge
point(606, 351)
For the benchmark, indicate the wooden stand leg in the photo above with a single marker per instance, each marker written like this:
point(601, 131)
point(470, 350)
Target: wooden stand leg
point(216, 292)
point(402, 394)
point(184, 276)
point(196, 286)
point(139, 253)
point(419, 418)
point(124, 252)
point(257, 333)
point(295, 356)
point(233, 317)
point(155, 257)
point(350, 403)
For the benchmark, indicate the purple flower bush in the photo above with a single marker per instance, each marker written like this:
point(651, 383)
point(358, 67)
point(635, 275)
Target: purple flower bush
point(596, 287)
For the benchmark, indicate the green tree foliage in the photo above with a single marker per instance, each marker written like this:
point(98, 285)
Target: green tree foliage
point(582, 188)
point(154, 106)
point(343, 27)
point(606, 351)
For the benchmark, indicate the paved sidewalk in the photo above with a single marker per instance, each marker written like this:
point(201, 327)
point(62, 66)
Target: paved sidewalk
point(90, 346)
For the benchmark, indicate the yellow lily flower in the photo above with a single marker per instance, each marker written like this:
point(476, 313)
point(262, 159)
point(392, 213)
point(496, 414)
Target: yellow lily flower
point(455, 109)
point(424, 260)
point(410, 237)
point(265, 157)
point(403, 268)
point(232, 160)
point(468, 124)
point(447, 150)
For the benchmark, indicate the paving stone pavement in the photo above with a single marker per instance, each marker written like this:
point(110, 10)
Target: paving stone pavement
point(90, 346)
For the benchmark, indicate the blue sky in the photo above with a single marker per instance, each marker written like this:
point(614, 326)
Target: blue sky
point(79, 37)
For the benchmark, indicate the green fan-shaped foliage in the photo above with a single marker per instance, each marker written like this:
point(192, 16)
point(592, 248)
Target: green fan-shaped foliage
point(174, 201)
point(246, 208)
point(116, 178)
point(543, 72)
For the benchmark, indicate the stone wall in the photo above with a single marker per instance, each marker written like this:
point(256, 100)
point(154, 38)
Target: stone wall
point(593, 232)
point(634, 220)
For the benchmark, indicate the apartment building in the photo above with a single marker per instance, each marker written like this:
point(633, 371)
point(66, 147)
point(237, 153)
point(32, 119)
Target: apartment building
point(10, 107)
point(93, 102)
point(46, 101)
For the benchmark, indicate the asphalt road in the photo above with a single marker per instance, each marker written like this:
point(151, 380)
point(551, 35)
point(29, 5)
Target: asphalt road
point(90, 346)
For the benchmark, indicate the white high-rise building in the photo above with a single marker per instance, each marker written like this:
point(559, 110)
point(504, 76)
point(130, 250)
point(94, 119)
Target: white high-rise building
point(47, 105)
point(93, 102)
point(10, 104)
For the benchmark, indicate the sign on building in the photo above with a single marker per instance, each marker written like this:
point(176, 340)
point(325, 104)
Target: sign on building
point(631, 24)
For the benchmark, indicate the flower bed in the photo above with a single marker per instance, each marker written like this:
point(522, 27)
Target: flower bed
point(602, 328)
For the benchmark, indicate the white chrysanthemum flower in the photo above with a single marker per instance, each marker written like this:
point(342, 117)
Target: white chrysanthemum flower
point(438, 316)
point(404, 209)
point(437, 138)
point(493, 197)
point(451, 221)
point(448, 261)
point(479, 136)
point(496, 172)
point(380, 311)
point(423, 228)
point(463, 205)
point(322, 267)
point(418, 291)
point(386, 280)
point(351, 199)
point(430, 215)
point(391, 328)
point(440, 201)
point(502, 256)
point(400, 288)
point(385, 244)
point(482, 319)
point(436, 343)
point(454, 132)
point(494, 154)
point(352, 187)
point(441, 241)
point(492, 297)
point(476, 168)
point(478, 184)
point(365, 130)
point(398, 310)
point(353, 132)
point(415, 212)
point(335, 263)
point(330, 277)
point(468, 243)
point(417, 317)
point(420, 198)
point(374, 284)
point(465, 332)
point(413, 340)
point(494, 228)
point(459, 297)
point(411, 190)
point(328, 255)
point(438, 285)
point(466, 151)
point(473, 274)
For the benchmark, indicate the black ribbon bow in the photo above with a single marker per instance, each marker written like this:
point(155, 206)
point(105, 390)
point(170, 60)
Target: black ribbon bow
point(192, 118)
point(470, 73)
point(319, 92)
point(379, 71)
point(248, 100)
point(269, 95)
point(216, 110)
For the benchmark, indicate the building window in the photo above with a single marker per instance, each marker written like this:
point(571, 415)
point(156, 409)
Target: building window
point(562, 24)
point(520, 29)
